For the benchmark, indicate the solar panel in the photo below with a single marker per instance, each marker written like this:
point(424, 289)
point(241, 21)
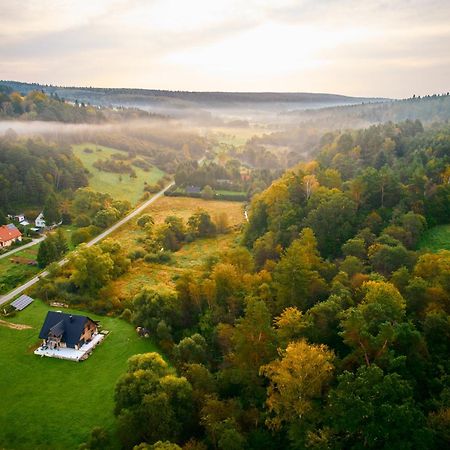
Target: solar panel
point(22, 302)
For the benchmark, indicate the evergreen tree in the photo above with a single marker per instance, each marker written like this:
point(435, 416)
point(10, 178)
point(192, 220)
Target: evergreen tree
point(51, 212)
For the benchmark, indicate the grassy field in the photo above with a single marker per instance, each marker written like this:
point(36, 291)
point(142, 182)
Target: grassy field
point(119, 186)
point(436, 238)
point(53, 404)
point(11, 275)
point(191, 256)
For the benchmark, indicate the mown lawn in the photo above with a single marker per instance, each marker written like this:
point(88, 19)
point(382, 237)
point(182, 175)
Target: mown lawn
point(53, 404)
point(119, 186)
point(436, 238)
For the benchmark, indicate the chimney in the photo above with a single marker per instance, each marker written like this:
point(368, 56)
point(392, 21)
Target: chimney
point(71, 318)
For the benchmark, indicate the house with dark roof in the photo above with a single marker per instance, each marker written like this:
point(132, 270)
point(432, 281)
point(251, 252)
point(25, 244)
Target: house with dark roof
point(9, 234)
point(62, 330)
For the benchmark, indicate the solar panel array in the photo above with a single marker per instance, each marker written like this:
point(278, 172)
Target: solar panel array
point(22, 302)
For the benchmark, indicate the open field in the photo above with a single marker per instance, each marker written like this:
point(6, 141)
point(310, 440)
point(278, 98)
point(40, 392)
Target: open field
point(53, 404)
point(11, 274)
point(190, 257)
point(119, 186)
point(182, 207)
point(234, 135)
point(436, 238)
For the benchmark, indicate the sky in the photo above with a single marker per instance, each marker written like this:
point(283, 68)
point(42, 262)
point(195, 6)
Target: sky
point(393, 48)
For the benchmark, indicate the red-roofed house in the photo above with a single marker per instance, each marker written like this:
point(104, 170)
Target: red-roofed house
point(9, 234)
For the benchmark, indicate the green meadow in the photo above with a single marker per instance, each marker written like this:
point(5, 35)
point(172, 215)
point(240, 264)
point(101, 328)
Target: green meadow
point(53, 404)
point(119, 186)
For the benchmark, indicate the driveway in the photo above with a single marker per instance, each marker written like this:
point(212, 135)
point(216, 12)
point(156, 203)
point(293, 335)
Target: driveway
point(22, 247)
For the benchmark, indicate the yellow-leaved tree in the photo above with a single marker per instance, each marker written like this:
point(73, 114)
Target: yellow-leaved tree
point(297, 381)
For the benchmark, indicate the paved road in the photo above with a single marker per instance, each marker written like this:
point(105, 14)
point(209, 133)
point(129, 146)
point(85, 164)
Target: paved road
point(10, 295)
point(18, 249)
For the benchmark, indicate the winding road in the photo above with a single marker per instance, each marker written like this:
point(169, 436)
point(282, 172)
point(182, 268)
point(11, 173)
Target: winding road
point(18, 290)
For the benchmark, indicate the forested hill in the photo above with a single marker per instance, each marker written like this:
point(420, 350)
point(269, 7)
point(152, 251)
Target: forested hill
point(362, 181)
point(35, 105)
point(428, 109)
point(32, 169)
point(180, 99)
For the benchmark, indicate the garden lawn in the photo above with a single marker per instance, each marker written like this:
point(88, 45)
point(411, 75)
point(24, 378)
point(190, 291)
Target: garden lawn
point(11, 274)
point(53, 404)
point(119, 186)
point(436, 238)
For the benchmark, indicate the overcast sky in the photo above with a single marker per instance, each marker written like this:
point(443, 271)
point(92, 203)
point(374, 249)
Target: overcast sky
point(392, 48)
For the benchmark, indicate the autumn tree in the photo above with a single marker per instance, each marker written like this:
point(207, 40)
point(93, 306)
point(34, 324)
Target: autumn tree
point(297, 382)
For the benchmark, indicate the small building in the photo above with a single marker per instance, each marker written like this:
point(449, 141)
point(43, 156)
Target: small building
point(61, 330)
point(40, 221)
point(9, 234)
point(17, 217)
point(193, 190)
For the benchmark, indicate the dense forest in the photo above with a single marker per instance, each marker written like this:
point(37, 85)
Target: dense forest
point(38, 106)
point(325, 329)
point(32, 169)
point(428, 109)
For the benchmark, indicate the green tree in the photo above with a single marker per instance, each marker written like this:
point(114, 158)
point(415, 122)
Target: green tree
point(47, 252)
point(372, 410)
point(208, 193)
point(332, 229)
point(370, 327)
point(201, 225)
point(145, 221)
point(92, 269)
point(253, 342)
point(51, 212)
point(151, 403)
point(297, 278)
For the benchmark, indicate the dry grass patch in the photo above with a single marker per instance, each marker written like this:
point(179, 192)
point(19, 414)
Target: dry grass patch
point(191, 257)
point(184, 207)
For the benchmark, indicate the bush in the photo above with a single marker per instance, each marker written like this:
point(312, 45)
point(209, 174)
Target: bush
point(161, 257)
point(82, 220)
point(139, 253)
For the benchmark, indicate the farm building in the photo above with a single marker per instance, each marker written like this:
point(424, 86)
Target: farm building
point(68, 336)
point(9, 234)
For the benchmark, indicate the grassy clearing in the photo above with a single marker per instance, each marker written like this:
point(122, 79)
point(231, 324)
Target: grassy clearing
point(191, 256)
point(11, 274)
point(119, 186)
point(436, 238)
point(184, 207)
point(49, 403)
point(234, 135)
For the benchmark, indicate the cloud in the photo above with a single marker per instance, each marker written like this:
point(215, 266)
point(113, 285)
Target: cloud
point(286, 45)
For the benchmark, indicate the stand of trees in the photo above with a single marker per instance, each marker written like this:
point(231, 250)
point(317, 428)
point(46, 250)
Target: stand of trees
point(328, 330)
point(32, 170)
point(36, 105)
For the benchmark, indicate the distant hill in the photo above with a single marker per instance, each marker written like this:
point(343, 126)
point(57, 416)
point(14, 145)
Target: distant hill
point(428, 109)
point(172, 100)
